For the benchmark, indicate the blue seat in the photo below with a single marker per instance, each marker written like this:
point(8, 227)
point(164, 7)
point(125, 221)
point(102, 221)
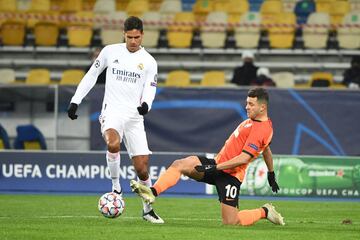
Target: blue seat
point(29, 137)
point(255, 5)
point(4, 139)
point(303, 9)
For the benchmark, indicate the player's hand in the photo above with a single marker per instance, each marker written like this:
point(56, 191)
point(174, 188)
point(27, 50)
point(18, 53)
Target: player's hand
point(205, 168)
point(143, 109)
point(72, 111)
point(272, 182)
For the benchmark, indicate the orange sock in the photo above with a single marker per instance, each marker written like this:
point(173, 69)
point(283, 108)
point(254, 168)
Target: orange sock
point(249, 217)
point(166, 180)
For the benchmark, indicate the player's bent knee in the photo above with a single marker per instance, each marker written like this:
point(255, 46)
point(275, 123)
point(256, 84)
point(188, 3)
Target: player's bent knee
point(113, 147)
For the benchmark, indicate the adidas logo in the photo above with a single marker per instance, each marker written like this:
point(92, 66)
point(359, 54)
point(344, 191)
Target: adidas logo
point(116, 61)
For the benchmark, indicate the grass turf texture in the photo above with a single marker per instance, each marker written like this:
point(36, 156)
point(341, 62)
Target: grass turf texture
point(77, 217)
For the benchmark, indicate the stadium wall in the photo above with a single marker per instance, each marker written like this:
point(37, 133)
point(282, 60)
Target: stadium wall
point(86, 172)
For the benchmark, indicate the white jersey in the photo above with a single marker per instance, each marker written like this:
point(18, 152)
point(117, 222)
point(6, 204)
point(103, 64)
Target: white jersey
point(131, 79)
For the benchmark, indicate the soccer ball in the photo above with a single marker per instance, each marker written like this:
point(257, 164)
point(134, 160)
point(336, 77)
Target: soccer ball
point(111, 205)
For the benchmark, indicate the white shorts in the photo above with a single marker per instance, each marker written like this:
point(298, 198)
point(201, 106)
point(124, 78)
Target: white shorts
point(131, 130)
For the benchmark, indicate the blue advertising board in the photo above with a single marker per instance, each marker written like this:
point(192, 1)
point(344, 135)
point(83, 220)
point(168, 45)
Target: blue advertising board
point(45, 171)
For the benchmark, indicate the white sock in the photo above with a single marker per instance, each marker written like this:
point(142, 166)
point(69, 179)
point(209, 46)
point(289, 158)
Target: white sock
point(113, 163)
point(146, 207)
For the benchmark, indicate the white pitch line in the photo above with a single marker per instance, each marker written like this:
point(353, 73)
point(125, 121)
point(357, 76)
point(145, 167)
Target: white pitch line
point(303, 221)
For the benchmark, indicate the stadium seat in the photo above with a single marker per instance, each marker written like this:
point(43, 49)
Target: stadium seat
point(13, 32)
point(323, 6)
point(321, 79)
point(71, 6)
point(213, 33)
point(354, 5)
point(235, 10)
point(338, 10)
point(180, 32)
point(201, 9)
point(315, 34)
point(121, 5)
point(137, 7)
point(283, 79)
point(23, 5)
point(29, 137)
point(303, 9)
point(152, 28)
point(104, 6)
point(38, 77)
point(40, 6)
point(282, 34)
point(71, 77)
point(8, 5)
point(247, 34)
point(178, 78)
point(213, 79)
point(4, 138)
point(348, 34)
point(79, 35)
point(113, 32)
point(168, 9)
point(269, 9)
point(7, 76)
point(289, 5)
point(88, 5)
point(46, 33)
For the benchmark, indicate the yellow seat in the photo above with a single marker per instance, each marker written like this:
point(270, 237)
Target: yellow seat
point(323, 5)
point(88, 5)
point(8, 5)
point(79, 35)
point(137, 7)
point(13, 32)
point(269, 9)
point(154, 5)
point(71, 6)
point(220, 5)
point(213, 79)
point(321, 79)
point(32, 145)
point(338, 10)
point(72, 77)
point(282, 36)
point(180, 32)
point(201, 9)
point(121, 5)
point(178, 78)
point(46, 34)
point(236, 9)
point(38, 77)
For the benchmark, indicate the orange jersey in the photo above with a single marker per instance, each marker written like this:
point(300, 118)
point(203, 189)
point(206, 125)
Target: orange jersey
point(251, 137)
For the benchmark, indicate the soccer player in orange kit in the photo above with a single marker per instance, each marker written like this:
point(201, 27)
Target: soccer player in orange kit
point(251, 138)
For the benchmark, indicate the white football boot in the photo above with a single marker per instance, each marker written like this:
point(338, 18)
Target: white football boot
point(273, 216)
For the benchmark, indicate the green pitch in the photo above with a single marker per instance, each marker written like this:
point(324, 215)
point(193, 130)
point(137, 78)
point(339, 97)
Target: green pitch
point(77, 217)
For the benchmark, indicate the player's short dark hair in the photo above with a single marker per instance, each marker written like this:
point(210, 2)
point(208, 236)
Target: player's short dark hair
point(260, 93)
point(132, 23)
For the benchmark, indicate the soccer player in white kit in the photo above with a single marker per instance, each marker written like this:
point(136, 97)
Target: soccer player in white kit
point(130, 88)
